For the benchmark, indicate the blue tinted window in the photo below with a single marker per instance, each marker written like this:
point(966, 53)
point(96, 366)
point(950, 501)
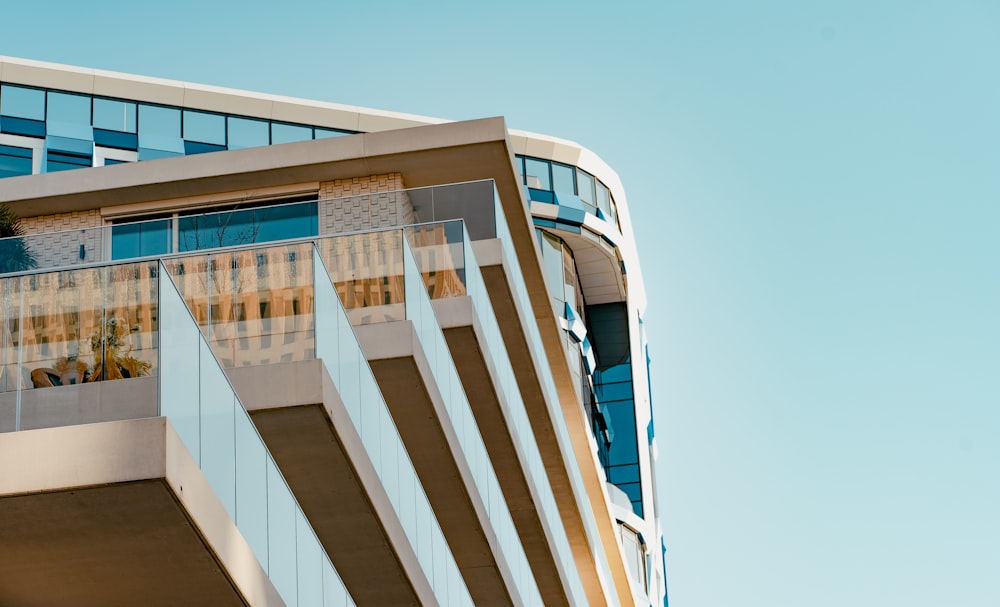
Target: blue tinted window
point(604, 200)
point(159, 121)
point(74, 109)
point(327, 133)
point(140, 239)
point(59, 161)
point(246, 226)
point(289, 133)
point(193, 147)
point(110, 161)
point(14, 161)
point(204, 127)
point(537, 174)
point(114, 115)
point(563, 178)
point(247, 133)
point(116, 139)
point(585, 186)
point(519, 164)
point(21, 102)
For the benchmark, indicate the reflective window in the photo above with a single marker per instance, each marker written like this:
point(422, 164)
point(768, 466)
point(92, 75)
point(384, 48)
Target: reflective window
point(604, 201)
point(247, 133)
point(289, 133)
point(14, 161)
point(160, 121)
point(519, 164)
point(327, 133)
point(537, 174)
point(61, 161)
point(21, 102)
point(585, 186)
point(74, 109)
point(204, 127)
point(114, 115)
point(563, 178)
point(140, 239)
point(246, 226)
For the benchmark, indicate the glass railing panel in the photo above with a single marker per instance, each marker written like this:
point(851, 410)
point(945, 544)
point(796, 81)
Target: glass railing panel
point(310, 564)
point(218, 434)
point(236, 463)
point(195, 280)
point(471, 202)
point(439, 254)
point(367, 271)
point(251, 487)
point(281, 536)
point(62, 334)
point(272, 305)
point(11, 379)
point(337, 346)
point(421, 313)
point(520, 291)
point(131, 313)
point(180, 368)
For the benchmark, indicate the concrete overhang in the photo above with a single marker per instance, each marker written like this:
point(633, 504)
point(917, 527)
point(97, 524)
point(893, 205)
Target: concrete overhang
point(412, 393)
point(117, 513)
point(510, 315)
point(477, 369)
point(302, 419)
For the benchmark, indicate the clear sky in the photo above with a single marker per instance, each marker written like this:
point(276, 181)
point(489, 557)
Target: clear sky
point(816, 190)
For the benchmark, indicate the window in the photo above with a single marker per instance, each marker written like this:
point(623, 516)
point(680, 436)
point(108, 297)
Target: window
point(20, 102)
point(204, 127)
point(71, 109)
point(112, 115)
point(585, 187)
point(563, 178)
point(289, 133)
point(150, 237)
point(159, 121)
point(537, 174)
point(247, 133)
point(14, 161)
point(64, 161)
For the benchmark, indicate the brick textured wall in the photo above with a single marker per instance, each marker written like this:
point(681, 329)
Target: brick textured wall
point(363, 203)
point(64, 233)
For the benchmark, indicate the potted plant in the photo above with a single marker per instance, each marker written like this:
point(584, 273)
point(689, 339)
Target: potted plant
point(107, 344)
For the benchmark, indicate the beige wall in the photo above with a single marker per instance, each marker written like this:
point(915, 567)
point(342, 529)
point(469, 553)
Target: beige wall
point(64, 249)
point(363, 203)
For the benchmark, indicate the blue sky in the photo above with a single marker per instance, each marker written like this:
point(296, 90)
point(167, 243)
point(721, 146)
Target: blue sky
point(816, 190)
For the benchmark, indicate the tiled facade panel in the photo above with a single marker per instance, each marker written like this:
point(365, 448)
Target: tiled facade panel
point(363, 203)
point(63, 248)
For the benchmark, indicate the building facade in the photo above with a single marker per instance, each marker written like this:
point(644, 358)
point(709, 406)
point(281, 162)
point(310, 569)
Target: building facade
point(260, 350)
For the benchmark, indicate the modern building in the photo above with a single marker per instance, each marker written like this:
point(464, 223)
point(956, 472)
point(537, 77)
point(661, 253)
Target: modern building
point(260, 350)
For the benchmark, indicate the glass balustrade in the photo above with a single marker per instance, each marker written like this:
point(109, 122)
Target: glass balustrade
point(291, 301)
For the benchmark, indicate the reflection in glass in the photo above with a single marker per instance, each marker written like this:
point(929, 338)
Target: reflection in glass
point(563, 178)
point(21, 102)
point(536, 174)
point(140, 239)
point(14, 161)
point(247, 133)
point(367, 270)
point(204, 127)
point(159, 121)
point(585, 186)
point(289, 133)
point(64, 107)
point(114, 115)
